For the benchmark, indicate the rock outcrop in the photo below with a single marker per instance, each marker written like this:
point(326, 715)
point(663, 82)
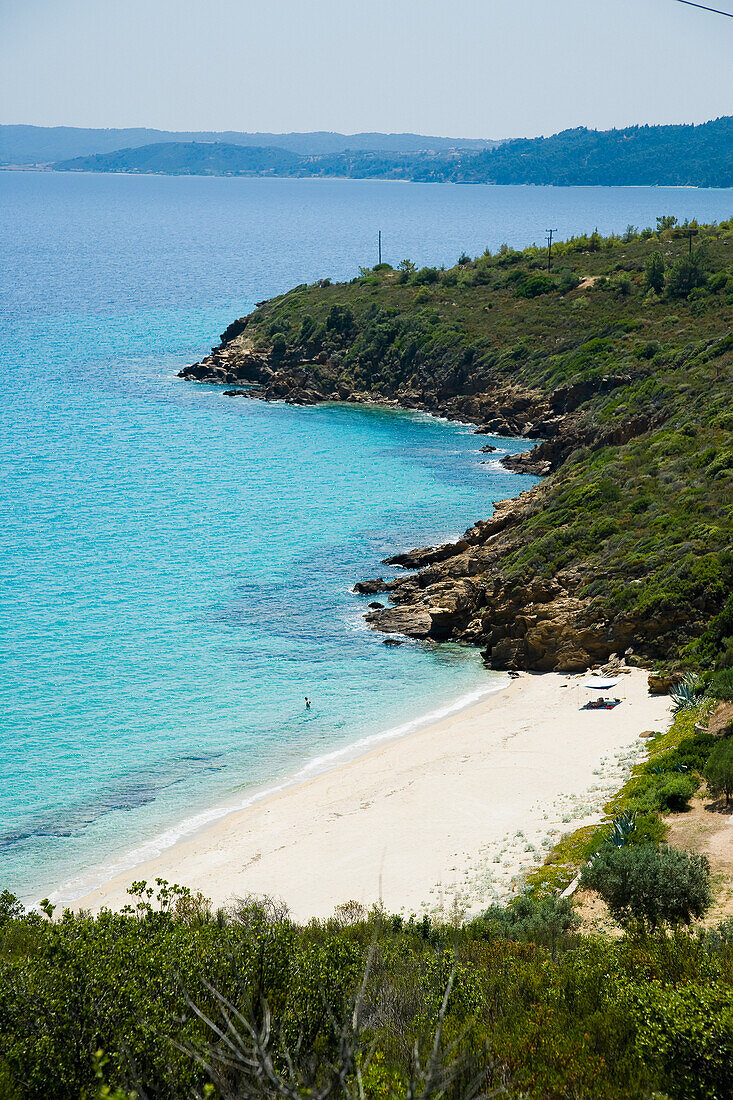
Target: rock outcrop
point(459, 591)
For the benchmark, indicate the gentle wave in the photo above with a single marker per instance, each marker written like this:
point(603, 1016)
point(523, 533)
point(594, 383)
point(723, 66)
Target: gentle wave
point(192, 826)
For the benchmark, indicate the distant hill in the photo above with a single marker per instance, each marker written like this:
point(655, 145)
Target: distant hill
point(700, 156)
point(192, 158)
point(48, 144)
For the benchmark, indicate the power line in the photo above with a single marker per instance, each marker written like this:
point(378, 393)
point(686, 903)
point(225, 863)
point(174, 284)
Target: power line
point(704, 7)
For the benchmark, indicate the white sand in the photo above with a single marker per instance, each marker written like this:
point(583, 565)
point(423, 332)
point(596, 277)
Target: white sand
point(450, 815)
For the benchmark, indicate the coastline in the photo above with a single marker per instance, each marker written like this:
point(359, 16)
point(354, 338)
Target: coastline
point(448, 817)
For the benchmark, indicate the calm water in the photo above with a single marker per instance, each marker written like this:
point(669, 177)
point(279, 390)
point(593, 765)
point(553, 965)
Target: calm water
point(176, 567)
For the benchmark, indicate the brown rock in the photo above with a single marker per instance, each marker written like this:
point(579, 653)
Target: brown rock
point(661, 683)
point(371, 588)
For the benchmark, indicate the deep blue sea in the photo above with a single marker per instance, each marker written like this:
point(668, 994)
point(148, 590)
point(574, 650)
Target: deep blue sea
point(176, 566)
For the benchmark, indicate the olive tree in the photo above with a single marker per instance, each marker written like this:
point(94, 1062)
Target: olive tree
point(651, 885)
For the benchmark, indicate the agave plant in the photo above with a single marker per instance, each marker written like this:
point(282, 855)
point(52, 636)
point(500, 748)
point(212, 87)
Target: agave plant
point(621, 829)
point(659, 769)
point(687, 693)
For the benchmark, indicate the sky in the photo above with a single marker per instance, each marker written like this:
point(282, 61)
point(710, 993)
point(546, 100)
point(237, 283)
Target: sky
point(459, 68)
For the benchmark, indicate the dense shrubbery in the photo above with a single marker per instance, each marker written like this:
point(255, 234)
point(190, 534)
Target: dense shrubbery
point(719, 769)
point(398, 1004)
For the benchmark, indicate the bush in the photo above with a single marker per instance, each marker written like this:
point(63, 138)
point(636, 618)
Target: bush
point(425, 276)
point(693, 752)
point(279, 347)
point(720, 685)
point(687, 273)
point(534, 920)
point(567, 280)
point(719, 769)
point(534, 285)
point(651, 885)
point(717, 282)
point(675, 792)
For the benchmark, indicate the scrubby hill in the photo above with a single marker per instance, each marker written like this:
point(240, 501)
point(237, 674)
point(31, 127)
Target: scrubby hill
point(619, 362)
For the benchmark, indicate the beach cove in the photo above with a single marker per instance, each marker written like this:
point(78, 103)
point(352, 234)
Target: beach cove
point(445, 819)
point(168, 596)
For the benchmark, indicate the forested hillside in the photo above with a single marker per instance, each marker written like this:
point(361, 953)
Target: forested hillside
point(619, 361)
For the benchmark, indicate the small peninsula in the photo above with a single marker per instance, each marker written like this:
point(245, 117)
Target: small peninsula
point(616, 364)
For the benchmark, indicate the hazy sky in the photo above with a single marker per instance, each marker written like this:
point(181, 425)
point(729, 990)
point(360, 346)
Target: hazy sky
point(473, 68)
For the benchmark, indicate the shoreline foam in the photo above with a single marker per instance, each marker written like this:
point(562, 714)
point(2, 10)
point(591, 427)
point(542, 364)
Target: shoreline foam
point(191, 827)
point(447, 816)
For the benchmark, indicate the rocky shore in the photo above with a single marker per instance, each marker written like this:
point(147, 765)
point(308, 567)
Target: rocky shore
point(460, 591)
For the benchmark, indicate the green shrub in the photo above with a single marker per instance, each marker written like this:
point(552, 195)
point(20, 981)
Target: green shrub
point(425, 276)
point(717, 282)
point(674, 793)
point(651, 885)
point(693, 752)
point(655, 268)
point(687, 273)
point(719, 769)
point(534, 285)
point(685, 1034)
point(720, 685)
point(536, 920)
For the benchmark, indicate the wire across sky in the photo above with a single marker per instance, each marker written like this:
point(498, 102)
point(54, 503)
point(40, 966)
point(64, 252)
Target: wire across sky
point(704, 7)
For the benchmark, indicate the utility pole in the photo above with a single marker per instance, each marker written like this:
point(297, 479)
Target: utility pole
point(687, 231)
point(549, 247)
point(379, 239)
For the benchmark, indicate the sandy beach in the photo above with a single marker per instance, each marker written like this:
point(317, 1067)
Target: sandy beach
point(450, 815)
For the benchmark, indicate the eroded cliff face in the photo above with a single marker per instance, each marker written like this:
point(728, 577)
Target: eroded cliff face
point(461, 591)
point(554, 418)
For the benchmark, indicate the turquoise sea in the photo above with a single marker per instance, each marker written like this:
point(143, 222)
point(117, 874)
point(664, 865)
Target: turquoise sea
point(176, 566)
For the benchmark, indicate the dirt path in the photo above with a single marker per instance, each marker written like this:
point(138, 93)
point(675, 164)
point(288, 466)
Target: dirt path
point(708, 830)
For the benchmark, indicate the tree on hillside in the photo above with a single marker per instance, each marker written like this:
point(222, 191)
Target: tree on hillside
point(667, 221)
point(652, 885)
point(719, 770)
point(655, 267)
point(687, 273)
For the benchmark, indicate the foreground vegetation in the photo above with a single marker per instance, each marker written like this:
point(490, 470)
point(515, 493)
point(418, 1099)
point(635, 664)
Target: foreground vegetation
point(169, 999)
point(172, 1001)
